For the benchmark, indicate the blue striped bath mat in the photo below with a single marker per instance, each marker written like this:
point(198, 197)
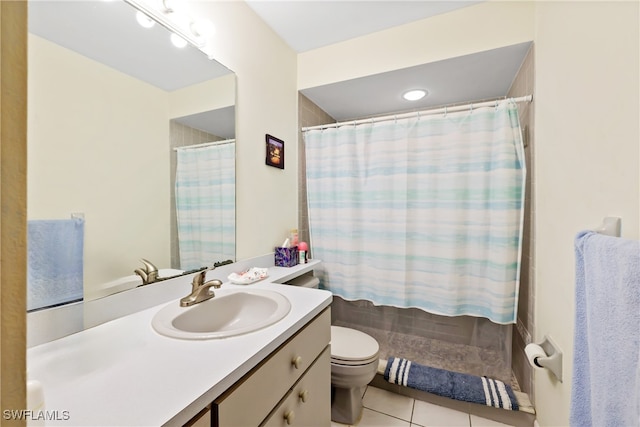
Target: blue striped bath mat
point(454, 385)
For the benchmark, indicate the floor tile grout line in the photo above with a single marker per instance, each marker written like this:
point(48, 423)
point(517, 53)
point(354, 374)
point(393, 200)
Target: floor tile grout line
point(388, 415)
point(413, 409)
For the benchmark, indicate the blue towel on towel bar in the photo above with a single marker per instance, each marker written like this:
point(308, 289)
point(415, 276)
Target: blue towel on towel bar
point(454, 385)
point(606, 366)
point(54, 262)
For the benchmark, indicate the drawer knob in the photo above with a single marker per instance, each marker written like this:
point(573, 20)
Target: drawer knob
point(289, 416)
point(304, 395)
point(296, 361)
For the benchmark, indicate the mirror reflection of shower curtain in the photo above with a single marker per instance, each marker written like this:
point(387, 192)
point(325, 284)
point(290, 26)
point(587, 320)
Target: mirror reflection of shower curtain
point(421, 212)
point(205, 204)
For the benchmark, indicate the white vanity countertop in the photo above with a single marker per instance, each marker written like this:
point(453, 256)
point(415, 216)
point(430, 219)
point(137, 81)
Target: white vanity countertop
point(53, 323)
point(123, 373)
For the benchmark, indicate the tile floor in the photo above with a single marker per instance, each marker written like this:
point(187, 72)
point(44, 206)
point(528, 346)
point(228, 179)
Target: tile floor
point(386, 409)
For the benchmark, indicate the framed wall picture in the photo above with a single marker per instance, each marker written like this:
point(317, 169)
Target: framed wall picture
point(275, 152)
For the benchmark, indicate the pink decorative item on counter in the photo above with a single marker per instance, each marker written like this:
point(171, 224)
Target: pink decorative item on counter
point(302, 252)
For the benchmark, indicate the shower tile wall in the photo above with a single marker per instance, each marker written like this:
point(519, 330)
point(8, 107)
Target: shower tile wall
point(180, 136)
point(522, 85)
point(462, 344)
point(309, 114)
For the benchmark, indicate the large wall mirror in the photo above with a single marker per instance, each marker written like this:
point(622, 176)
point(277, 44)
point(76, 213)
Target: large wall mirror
point(108, 103)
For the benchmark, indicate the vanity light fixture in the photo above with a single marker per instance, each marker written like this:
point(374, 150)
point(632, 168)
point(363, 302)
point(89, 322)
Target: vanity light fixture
point(168, 6)
point(144, 20)
point(184, 29)
point(414, 95)
point(178, 41)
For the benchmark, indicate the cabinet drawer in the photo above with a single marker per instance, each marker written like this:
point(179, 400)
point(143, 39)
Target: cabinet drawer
point(249, 401)
point(308, 404)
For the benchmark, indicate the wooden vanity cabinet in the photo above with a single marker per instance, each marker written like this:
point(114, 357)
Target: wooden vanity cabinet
point(203, 419)
point(308, 403)
point(292, 386)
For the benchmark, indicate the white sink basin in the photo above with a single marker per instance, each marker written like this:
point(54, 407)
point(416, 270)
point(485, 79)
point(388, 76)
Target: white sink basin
point(231, 312)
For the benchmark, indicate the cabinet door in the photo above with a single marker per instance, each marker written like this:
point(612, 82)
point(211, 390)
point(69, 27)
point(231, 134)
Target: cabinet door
point(308, 404)
point(203, 419)
point(249, 401)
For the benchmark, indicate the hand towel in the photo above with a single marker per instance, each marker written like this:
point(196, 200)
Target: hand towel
point(54, 262)
point(605, 384)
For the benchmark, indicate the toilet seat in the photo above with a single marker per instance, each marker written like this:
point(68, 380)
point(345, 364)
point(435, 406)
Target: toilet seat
point(351, 347)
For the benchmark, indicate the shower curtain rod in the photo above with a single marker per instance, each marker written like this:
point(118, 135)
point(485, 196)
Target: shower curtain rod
point(439, 110)
point(205, 144)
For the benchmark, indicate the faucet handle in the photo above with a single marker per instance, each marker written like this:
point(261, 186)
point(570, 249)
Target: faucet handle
point(148, 266)
point(198, 279)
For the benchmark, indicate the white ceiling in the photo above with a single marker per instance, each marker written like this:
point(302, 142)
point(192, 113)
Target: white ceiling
point(108, 33)
point(310, 24)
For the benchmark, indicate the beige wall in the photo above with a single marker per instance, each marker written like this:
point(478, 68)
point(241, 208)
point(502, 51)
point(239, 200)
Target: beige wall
point(101, 150)
point(586, 158)
point(266, 197)
point(468, 30)
point(209, 95)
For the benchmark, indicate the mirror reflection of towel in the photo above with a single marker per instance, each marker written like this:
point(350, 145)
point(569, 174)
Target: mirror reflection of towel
point(55, 262)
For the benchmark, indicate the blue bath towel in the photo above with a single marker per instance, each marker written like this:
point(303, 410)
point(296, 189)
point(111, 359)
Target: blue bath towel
point(54, 262)
point(454, 385)
point(606, 372)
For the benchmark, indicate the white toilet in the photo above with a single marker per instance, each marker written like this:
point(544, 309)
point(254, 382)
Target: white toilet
point(354, 363)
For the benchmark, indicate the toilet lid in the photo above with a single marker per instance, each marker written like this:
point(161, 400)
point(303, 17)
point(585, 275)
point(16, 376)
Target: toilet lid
point(349, 345)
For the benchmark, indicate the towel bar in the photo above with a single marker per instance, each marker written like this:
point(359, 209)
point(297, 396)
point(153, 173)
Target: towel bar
point(611, 226)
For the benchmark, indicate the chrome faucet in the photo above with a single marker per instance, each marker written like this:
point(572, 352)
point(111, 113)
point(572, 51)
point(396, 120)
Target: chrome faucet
point(149, 273)
point(200, 290)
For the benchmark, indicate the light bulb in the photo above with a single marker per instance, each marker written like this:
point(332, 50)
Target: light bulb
point(414, 95)
point(178, 41)
point(144, 20)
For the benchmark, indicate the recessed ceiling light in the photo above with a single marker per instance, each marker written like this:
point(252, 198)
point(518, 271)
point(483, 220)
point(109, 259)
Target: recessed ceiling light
point(414, 95)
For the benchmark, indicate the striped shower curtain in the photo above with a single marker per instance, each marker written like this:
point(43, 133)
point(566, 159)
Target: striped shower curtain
point(421, 212)
point(205, 205)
